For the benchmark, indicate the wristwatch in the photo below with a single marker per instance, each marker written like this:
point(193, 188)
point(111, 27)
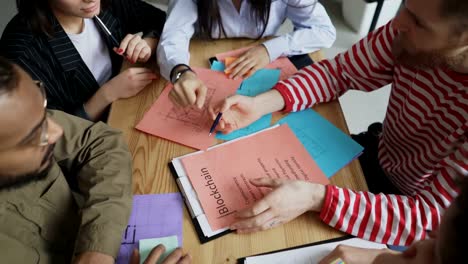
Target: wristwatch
point(175, 76)
point(179, 74)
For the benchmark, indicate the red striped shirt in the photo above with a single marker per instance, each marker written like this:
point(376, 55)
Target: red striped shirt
point(423, 148)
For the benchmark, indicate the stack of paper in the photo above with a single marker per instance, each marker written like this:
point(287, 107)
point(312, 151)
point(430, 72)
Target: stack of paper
point(216, 183)
point(153, 216)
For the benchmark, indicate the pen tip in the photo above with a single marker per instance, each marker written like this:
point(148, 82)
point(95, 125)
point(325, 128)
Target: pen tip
point(209, 135)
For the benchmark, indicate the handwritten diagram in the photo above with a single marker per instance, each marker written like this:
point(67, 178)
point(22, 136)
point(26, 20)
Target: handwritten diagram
point(192, 117)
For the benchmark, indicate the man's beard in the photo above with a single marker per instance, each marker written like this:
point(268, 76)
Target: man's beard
point(17, 181)
point(427, 59)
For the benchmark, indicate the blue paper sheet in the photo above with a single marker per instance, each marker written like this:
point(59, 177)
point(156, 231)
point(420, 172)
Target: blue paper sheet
point(262, 81)
point(330, 147)
point(218, 66)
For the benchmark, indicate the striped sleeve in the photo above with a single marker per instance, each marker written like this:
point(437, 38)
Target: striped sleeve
point(397, 219)
point(367, 66)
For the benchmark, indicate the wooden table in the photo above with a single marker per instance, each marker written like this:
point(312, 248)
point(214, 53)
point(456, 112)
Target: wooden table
point(151, 173)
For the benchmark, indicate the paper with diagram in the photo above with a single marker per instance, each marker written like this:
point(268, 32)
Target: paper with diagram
point(189, 126)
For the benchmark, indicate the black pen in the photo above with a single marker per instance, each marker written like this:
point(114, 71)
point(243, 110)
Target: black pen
point(114, 41)
point(215, 123)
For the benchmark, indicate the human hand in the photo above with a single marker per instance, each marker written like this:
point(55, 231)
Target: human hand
point(251, 61)
point(238, 111)
point(188, 91)
point(134, 48)
point(128, 83)
point(92, 257)
point(176, 257)
point(287, 200)
point(355, 255)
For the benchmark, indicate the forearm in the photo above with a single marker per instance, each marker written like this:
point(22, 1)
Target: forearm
point(105, 182)
point(98, 103)
point(97, 158)
point(269, 102)
point(152, 43)
point(383, 218)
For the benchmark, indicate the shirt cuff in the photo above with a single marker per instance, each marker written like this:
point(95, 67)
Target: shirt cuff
point(81, 112)
point(286, 94)
point(329, 205)
point(104, 239)
point(276, 47)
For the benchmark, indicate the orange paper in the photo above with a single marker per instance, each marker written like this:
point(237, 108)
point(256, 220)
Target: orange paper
point(220, 175)
point(189, 126)
point(282, 63)
point(228, 61)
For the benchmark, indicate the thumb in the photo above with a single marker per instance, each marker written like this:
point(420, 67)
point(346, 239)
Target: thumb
point(266, 182)
point(229, 102)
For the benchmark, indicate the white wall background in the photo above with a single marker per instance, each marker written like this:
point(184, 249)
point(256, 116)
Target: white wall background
point(7, 11)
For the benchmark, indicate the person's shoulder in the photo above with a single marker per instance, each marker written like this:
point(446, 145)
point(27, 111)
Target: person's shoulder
point(17, 35)
point(18, 28)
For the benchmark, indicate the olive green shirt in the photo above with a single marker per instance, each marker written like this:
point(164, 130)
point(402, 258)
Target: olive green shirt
point(82, 205)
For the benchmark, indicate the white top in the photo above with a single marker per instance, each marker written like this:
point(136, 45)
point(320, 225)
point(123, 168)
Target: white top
point(94, 51)
point(313, 29)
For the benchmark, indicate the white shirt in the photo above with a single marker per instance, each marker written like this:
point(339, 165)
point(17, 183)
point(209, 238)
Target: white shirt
point(313, 29)
point(94, 51)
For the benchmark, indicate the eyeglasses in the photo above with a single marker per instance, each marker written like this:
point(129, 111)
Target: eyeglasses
point(44, 138)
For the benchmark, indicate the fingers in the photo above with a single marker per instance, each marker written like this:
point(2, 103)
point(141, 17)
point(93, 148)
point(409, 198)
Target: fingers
point(145, 76)
point(189, 95)
point(185, 259)
point(124, 44)
point(175, 99)
point(155, 254)
point(140, 47)
point(334, 256)
point(230, 102)
point(235, 63)
point(201, 96)
point(131, 46)
point(242, 69)
point(179, 94)
point(267, 182)
point(261, 221)
point(190, 91)
point(173, 258)
point(258, 208)
point(135, 48)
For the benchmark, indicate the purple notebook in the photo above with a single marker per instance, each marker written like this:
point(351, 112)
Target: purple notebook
point(153, 216)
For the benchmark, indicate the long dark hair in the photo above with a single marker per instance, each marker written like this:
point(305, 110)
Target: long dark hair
point(209, 17)
point(36, 14)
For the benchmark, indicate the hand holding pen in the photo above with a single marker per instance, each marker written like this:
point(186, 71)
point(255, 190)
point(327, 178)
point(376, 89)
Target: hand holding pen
point(132, 47)
point(238, 112)
point(215, 123)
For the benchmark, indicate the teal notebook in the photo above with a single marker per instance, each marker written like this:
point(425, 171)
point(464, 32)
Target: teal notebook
point(330, 147)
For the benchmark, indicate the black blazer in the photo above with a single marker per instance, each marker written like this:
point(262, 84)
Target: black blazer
point(56, 62)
